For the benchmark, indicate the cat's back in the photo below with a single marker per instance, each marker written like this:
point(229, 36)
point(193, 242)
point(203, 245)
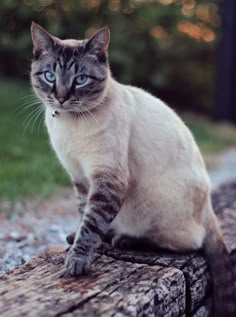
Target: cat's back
point(153, 118)
point(159, 136)
point(152, 110)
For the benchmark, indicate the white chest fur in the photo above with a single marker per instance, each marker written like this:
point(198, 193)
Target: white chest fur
point(69, 138)
point(80, 143)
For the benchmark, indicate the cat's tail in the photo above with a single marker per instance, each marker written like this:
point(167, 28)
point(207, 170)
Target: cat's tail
point(222, 271)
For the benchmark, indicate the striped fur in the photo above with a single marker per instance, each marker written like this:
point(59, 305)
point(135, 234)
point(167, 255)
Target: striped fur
point(145, 177)
point(81, 190)
point(104, 202)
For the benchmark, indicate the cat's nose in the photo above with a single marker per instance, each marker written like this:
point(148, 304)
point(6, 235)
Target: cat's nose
point(61, 99)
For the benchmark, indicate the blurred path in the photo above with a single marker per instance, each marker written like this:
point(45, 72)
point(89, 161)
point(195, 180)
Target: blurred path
point(224, 169)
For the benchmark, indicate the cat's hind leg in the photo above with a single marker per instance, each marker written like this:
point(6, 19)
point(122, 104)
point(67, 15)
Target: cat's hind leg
point(123, 241)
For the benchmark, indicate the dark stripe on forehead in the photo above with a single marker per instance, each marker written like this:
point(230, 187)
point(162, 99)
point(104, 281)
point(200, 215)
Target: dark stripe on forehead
point(67, 52)
point(59, 61)
point(67, 56)
point(76, 68)
point(71, 53)
point(71, 64)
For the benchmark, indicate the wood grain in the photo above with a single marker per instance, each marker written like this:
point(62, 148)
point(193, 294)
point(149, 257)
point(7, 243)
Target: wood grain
point(120, 283)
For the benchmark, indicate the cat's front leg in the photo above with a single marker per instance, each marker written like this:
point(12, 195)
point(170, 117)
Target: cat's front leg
point(105, 198)
point(81, 190)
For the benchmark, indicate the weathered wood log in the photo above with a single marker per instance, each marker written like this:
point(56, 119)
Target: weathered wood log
point(120, 283)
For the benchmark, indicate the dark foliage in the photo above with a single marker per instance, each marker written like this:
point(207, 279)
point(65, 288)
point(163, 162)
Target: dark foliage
point(164, 46)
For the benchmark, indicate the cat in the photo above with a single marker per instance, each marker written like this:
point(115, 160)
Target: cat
point(134, 164)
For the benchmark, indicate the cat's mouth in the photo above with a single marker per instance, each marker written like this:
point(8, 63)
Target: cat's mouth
point(60, 109)
point(75, 109)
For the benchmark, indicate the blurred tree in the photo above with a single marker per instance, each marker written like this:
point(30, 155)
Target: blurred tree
point(164, 46)
point(226, 92)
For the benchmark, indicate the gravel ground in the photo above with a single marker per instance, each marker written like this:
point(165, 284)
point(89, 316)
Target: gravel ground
point(224, 169)
point(33, 227)
point(36, 227)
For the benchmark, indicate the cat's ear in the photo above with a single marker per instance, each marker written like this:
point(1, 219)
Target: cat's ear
point(42, 40)
point(99, 42)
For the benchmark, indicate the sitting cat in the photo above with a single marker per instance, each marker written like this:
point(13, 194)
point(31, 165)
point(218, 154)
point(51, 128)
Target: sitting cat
point(134, 164)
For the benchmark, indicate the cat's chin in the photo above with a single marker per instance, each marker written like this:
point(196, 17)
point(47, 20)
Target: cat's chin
point(84, 109)
point(61, 109)
point(56, 112)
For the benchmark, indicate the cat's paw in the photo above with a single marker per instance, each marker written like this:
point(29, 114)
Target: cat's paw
point(122, 242)
point(76, 264)
point(70, 238)
point(109, 236)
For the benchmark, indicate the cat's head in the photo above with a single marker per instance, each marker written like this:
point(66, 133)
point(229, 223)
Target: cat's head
point(70, 75)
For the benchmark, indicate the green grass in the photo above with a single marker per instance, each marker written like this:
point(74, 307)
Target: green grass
point(212, 138)
point(29, 168)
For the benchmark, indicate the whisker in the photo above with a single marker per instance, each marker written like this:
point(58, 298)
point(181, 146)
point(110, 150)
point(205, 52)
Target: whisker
point(30, 95)
point(36, 118)
point(41, 120)
point(33, 111)
point(30, 114)
point(27, 107)
point(27, 102)
point(83, 115)
point(30, 118)
point(97, 122)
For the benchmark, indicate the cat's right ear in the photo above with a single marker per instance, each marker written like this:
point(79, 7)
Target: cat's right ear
point(42, 40)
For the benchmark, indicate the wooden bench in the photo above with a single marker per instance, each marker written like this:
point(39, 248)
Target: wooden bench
point(120, 283)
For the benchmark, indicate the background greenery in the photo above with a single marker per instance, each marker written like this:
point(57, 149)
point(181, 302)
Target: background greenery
point(27, 165)
point(165, 46)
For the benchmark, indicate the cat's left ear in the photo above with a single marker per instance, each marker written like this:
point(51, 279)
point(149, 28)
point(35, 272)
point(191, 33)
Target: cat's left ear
point(99, 42)
point(42, 40)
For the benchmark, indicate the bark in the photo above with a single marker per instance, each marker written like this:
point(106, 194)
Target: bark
point(120, 283)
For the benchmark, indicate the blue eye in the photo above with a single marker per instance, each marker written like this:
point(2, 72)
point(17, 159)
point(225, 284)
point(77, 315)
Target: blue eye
point(81, 80)
point(50, 77)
